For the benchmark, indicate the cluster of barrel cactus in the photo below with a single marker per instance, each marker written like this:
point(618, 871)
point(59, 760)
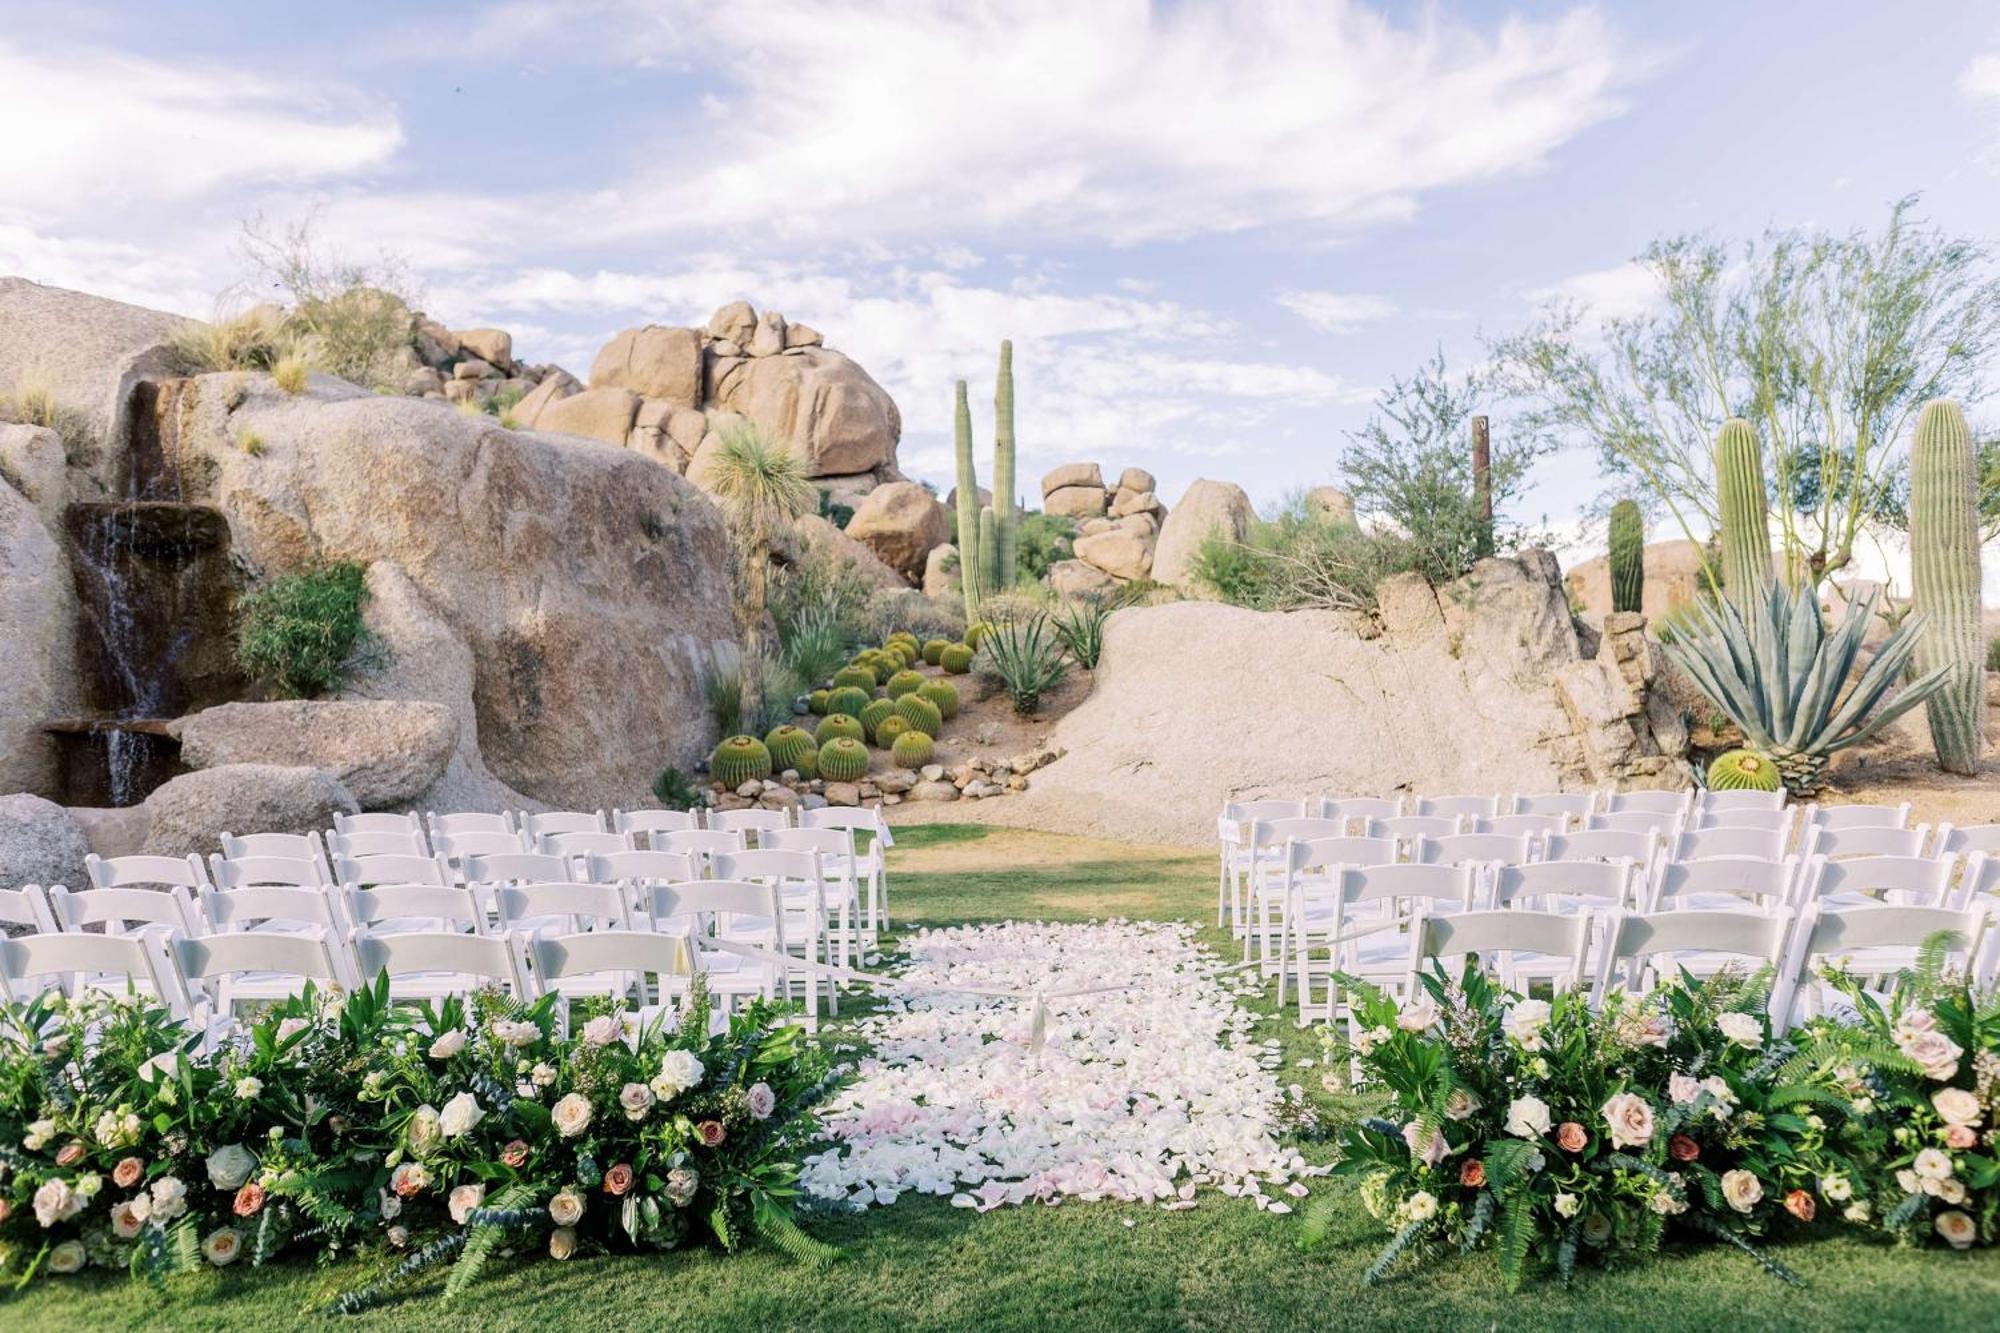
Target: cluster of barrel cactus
point(843, 759)
point(740, 759)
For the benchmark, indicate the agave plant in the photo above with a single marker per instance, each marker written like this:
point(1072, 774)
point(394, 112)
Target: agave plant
point(1779, 675)
point(1026, 657)
point(1079, 624)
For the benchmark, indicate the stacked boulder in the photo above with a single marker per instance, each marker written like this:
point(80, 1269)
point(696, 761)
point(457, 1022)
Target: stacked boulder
point(1118, 526)
point(669, 393)
point(475, 366)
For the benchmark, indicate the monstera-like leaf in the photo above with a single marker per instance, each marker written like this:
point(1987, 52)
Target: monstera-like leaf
point(1782, 678)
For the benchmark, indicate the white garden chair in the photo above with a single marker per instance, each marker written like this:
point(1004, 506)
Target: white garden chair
point(641, 825)
point(1783, 821)
point(1981, 881)
point(381, 822)
point(1572, 806)
point(291, 846)
point(119, 872)
point(379, 842)
point(258, 968)
point(517, 868)
point(714, 912)
point(1264, 842)
point(615, 963)
point(475, 821)
point(1663, 826)
point(251, 871)
point(457, 848)
point(432, 965)
point(1908, 881)
point(31, 964)
point(395, 909)
point(1373, 949)
point(1873, 942)
point(576, 846)
point(872, 840)
point(560, 821)
point(1511, 945)
point(126, 911)
point(1972, 838)
point(1863, 840)
point(1604, 845)
point(1702, 942)
point(364, 871)
point(1534, 827)
point(751, 823)
point(835, 849)
point(1466, 848)
point(1306, 904)
point(1355, 811)
point(1567, 886)
point(1467, 808)
point(702, 844)
point(1857, 816)
point(1712, 802)
point(808, 930)
point(1406, 829)
point(562, 907)
point(1765, 844)
point(1673, 803)
point(266, 895)
point(27, 907)
point(1724, 883)
point(1232, 829)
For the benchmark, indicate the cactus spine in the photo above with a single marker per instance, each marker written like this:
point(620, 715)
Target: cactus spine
point(1627, 557)
point(1004, 532)
point(968, 506)
point(1746, 517)
point(1944, 573)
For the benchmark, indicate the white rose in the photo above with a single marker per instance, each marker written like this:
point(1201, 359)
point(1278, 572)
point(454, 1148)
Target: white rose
point(1525, 1021)
point(1932, 1164)
point(222, 1246)
point(448, 1045)
point(460, 1114)
point(1934, 1052)
point(1858, 1211)
point(1958, 1230)
point(637, 1099)
point(169, 1199)
point(290, 1028)
point(1742, 1190)
point(517, 1034)
point(425, 1130)
point(1422, 1206)
point(38, 1135)
point(229, 1166)
point(1742, 1029)
point(248, 1087)
point(1420, 1013)
point(129, 1217)
point(1630, 1119)
point(1528, 1117)
point(679, 1071)
point(1568, 1205)
point(68, 1257)
point(463, 1200)
point(600, 1031)
point(1957, 1106)
point(1906, 1181)
point(55, 1202)
point(541, 1076)
point(566, 1208)
point(571, 1114)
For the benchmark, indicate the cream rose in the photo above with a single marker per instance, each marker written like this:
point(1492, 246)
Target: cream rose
point(1629, 1118)
point(1957, 1106)
point(230, 1165)
point(1525, 1021)
point(461, 1201)
point(1418, 1014)
point(1568, 1205)
point(1528, 1117)
point(425, 1131)
point(128, 1219)
point(600, 1031)
point(448, 1045)
point(1422, 1206)
point(562, 1243)
point(1934, 1052)
point(1932, 1164)
point(67, 1257)
point(1741, 1029)
point(460, 1114)
point(56, 1202)
point(1742, 1190)
point(1957, 1229)
point(571, 1114)
point(222, 1246)
point(566, 1208)
point(169, 1199)
point(637, 1099)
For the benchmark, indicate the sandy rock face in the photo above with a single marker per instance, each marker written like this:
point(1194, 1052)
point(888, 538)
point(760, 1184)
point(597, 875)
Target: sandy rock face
point(387, 752)
point(838, 418)
point(1209, 507)
point(38, 680)
point(1481, 686)
point(190, 812)
point(901, 523)
point(597, 414)
point(654, 362)
point(40, 844)
point(822, 537)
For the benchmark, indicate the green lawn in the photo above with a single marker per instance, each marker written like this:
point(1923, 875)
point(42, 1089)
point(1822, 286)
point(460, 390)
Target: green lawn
point(921, 1264)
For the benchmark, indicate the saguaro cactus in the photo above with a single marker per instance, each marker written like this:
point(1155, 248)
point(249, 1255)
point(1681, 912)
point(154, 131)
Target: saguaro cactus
point(1746, 515)
point(1627, 557)
point(1944, 573)
point(1004, 530)
point(969, 568)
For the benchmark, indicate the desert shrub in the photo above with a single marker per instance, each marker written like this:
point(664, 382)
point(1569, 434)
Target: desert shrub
point(33, 402)
point(345, 318)
point(252, 340)
point(1079, 624)
point(291, 373)
point(891, 609)
point(675, 790)
point(782, 685)
point(301, 635)
point(819, 585)
point(1042, 541)
point(834, 512)
point(1025, 657)
point(815, 641)
point(1296, 559)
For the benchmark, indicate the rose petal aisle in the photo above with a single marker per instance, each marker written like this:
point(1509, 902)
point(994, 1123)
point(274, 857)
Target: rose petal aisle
point(1146, 1093)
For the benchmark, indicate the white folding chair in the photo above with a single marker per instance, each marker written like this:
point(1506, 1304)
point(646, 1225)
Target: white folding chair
point(457, 848)
point(1567, 886)
point(642, 867)
point(364, 871)
point(702, 844)
point(1462, 848)
point(119, 872)
point(1673, 803)
point(292, 846)
point(1264, 843)
point(750, 822)
point(801, 887)
point(1857, 816)
point(126, 911)
point(1352, 810)
point(1232, 830)
point(1885, 938)
point(617, 963)
point(1972, 838)
point(1533, 827)
point(1723, 883)
point(1863, 840)
point(1666, 827)
point(578, 845)
point(471, 822)
point(252, 871)
point(713, 912)
point(1711, 802)
point(517, 867)
point(641, 825)
point(1765, 844)
point(27, 906)
point(1603, 845)
point(431, 965)
point(1781, 821)
point(1906, 881)
point(1310, 900)
point(268, 895)
point(1702, 942)
point(379, 842)
point(562, 907)
point(837, 861)
point(29, 964)
point(259, 967)
point(1555, 946)
point(1574, 806)
point(1461, 807)
point(1406, 829)
point(872, 840)
point(380, 822)
point(395, 909)
point(1980, 881)
point(561, 821)
point(1376, 950)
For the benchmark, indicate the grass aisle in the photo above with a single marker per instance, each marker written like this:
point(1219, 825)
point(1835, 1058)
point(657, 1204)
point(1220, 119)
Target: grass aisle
point(923, 1265)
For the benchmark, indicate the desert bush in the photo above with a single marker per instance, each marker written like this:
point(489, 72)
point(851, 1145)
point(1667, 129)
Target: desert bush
point(891, 609)
point(814, 641)
point(834, 512)
point(345, 318)
point(291, 373)
point(675, 790)
point(301, 635)
point(1079, 624)
point(1993, 653)
point(781, 685)
point(33, 402)
point(252, 340)
point(1298, 560)
point(1025, 657)
point(1042, 541)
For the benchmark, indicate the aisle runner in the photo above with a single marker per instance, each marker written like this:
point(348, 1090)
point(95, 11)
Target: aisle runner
point(1144, 1094)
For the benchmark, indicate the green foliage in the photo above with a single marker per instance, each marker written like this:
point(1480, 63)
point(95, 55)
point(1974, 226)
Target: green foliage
point(843, 759)
point(956, 659)
point(1299, 558)
point(1993, 653)
point(1627, 557)
point(1042, 541)
point(840, 515)
point(920, 713)
point(814, 641)
point(836, 726)
point(675, 790)
point(912, 749)
point(778, 686)
point(1744, 770)
point(789, 744)
point(740, 759)
point(1745, 513)
point(944, 695)
point(301, 635)
point(848, 699)
point(1780, 677)
point(1079, 625)
point(872, 715)
point(904, 682)
point(1026, 658)
point(1945, 576)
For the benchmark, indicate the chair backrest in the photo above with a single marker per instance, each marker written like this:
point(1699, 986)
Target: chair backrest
point(474, 821)
point(1780, 819)
point(562, 821)
point(1634, 821)
point(521, 867)
point(1645, 802)
point(1576, 805)
point(1348, 809)
point(1863, 840)
point(659, 867)
point(236, 910)
point(627, 952)
point(368, 870)
point(718, 902)
point(1767, 844)
point(861, 821)
point(1917, 881)
point(379, 842)
point(1414, 826)
point(1972, 838)
point(379, 822)
point(1326, 853)
point(1639, 938)
point(117, 872)
point(701, 842)
point(1858, 816)
point(1461, 848)
point(1712, 802)
point(1763, 880)
point(1824, 931)
point(1437, 883)
point(125, 911)
point(490, 842)
point(583, 843)
point(835, 844)
point(66, 958)
point(1277, 832)
point(27, 906)
point(1468, 807)
point(1609, 882)
point(749, 819)
point(1981, 878)
point(253, 870)
point(584, 907)
point(420, 953)
point(1535, 827)
point(295, 846)
point(1244, 811)
point(769, 863)
point(444, 904)
point(306, 954)
point(1547, 934)
point(639, 823)
point(1602, 845)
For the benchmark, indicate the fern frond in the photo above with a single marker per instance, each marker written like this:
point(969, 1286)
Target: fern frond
point(774, 1224)
point(1393, 1251)
point(485, 1229)
point(1703, 1222)
point(1316, 1222)
point(1517, 1235)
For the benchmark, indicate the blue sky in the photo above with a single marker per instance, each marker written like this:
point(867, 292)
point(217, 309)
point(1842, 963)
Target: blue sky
point(1214, 231)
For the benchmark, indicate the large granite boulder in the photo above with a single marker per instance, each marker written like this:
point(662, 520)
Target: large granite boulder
point(1210, 508)
point(838, 418)
point(386, 752)
point(1120, 553)
point(901, 523)
point(40, 843)
point(191, 812)
point(654, 362)
point(38, 675)
point(603, 414)
point(813, 537)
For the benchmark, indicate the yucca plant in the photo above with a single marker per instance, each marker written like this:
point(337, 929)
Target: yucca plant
point(1079, 624)
point(1785, 681)
point(1026, 657)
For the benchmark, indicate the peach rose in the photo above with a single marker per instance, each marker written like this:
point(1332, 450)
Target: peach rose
point(71, 1153)
point(618, 1180)
point(1630, 1119)
point(711, 1133)
point(249, 1200)
point(1682, 1148)
point(129, 1172)
point(1472, 1173)
point(1801, 1205)
point(515, 1154)
point(1960, 1137)
point(1571, 1137)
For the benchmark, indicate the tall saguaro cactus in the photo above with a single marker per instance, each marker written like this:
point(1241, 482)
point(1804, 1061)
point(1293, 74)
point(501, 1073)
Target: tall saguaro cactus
point(1746, 515)
point(1944, 573)
point(1004, 531)
point(1627, 557)
point(969, 570)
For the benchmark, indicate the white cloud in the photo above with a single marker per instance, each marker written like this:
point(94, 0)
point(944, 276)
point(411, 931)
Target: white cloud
point(1622, 291)
point(1337, 312)
point(1981, 78)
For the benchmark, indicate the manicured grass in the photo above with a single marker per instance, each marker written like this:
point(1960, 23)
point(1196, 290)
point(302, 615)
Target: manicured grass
point(922, 1265)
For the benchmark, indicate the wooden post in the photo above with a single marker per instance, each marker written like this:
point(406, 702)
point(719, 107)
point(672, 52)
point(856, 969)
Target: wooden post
point(1482, 482)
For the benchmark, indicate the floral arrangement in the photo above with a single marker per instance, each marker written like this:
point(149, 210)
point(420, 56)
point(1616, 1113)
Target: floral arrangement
point(426, 1134)
point(1563, 1134)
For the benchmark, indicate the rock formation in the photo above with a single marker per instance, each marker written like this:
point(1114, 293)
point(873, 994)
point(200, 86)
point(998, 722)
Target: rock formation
point(1210, 508)
point(1118, 526)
